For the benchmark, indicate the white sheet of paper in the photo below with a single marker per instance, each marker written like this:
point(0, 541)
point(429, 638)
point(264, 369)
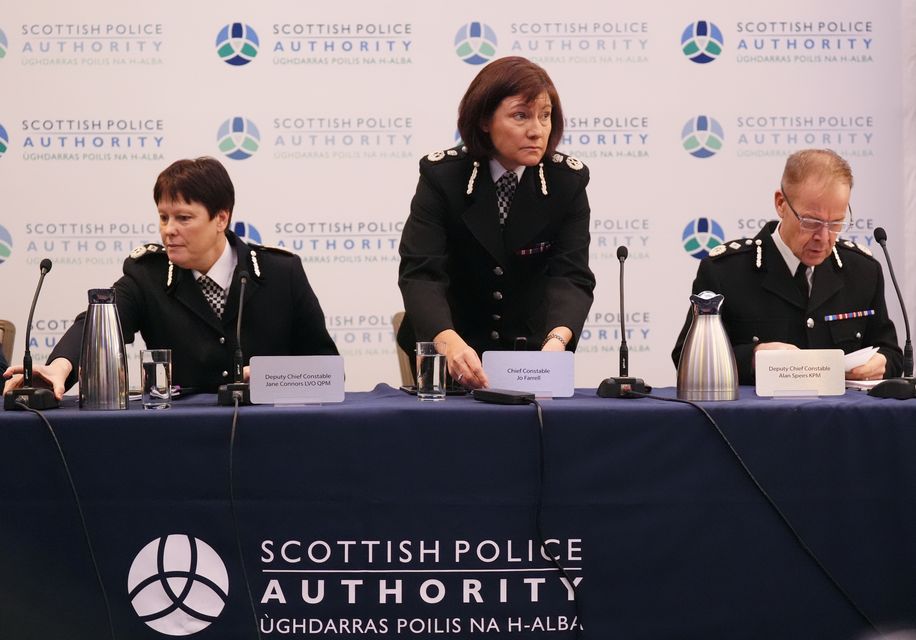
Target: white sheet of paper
point(858, 358)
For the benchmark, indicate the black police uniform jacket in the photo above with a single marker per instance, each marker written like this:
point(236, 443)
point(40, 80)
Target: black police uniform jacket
point(460, 269)
point(764, 304)
point(165, 304)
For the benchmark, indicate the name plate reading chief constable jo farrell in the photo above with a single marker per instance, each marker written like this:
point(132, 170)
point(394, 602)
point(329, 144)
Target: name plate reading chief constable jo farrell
point(296, 379)
point(546, 374)
point(801, 372)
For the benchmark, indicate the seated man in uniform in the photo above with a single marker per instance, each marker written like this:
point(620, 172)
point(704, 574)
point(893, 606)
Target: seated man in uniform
point(797, 284)
point(183, 295)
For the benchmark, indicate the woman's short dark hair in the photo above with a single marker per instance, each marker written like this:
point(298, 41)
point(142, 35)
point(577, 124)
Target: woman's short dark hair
point(512, 76)
point(203, 180)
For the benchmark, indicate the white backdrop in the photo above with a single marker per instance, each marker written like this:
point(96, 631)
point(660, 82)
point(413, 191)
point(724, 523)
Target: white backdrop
point(337, 102)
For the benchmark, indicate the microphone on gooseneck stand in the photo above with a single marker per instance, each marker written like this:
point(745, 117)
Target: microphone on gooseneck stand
point(239, 389)
point(27, 395)
point(905, 387)
point(622, 385)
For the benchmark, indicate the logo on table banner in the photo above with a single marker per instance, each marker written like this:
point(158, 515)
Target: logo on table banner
point(702, 42)
point(589, 40)
point(702, 137)
point(93, 139)
point(606, 136)
point(4, 44)
point(632, 232)
point(780, 134)
point(6, 244)
point(91, 43)
point(702, 235)
point(336, 242)
point(475, 43)
point(238, 138)
point(4, 141)
point(246, 231)
point(601, 333)
point(342, 43)
point(88, 243)
point(237, 44)
point(178, 585)
point(810, 41)
point(332, 137)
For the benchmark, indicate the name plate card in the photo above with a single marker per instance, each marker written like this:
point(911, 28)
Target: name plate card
point(802, 372)
point(546, 374)
point(296, 379)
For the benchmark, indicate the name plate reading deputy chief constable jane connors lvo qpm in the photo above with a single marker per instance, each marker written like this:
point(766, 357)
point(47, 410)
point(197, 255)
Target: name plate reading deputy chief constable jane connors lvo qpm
point(297, 379)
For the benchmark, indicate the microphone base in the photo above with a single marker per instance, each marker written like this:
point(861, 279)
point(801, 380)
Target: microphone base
point(32, 397)
point(897, 388)
point(621, 387)
point(227, 393)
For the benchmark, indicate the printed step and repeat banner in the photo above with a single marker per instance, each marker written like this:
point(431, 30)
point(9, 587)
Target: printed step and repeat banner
point(684, 113)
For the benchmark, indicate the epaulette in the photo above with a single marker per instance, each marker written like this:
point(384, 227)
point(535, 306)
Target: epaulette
point(454, 153)
point(854, 246)
point(271, 249)
point(733, 247)
point(147, 250)
point(563, 160)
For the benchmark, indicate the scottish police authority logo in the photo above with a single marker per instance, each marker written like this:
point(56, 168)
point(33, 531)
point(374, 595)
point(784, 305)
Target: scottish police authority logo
point(702, 137)
point(475, 43)
point(247, 231)
point(178, 585)
point(4, 141)
point(701, 236)
point(702, 42)
point(237, 44)
point(238, 138)
point(4, 44)
point(6, 245)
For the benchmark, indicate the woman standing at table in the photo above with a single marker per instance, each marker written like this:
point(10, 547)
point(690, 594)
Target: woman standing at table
point(494, 254)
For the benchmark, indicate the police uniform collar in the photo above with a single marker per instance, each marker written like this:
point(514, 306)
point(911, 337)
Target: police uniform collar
point(790, 258)
point(221, 271)
point(497, 170)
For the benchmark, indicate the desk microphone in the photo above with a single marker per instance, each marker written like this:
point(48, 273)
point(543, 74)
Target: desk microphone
point(228, 393)
point(622, 385)
point(905, 387)
point(31, 397)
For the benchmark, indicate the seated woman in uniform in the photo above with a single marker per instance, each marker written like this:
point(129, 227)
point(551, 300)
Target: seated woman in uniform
point(183, 295)
point(494, 254)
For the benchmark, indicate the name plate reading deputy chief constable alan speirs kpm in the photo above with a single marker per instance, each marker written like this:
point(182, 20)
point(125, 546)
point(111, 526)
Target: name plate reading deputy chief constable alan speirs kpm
point(546, 374)
point(800, 372)
point(297, 379)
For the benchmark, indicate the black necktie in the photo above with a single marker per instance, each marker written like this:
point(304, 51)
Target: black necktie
point(801, 279)
point(214, 295)
point(505, 190)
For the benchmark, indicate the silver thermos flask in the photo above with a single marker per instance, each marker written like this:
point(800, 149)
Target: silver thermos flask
point(103, 358)
point(707, 368)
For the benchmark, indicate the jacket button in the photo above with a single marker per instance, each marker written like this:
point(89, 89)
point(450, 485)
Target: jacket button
point(498, 270)
point(859, 335)
point(496, 317)
point(494, 335)
point(755, 339)
point(809, 323)
point(225, 374)
point(222, 340)
point(497, 295)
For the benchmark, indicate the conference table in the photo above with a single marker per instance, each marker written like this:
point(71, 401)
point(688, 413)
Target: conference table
point(385, 517)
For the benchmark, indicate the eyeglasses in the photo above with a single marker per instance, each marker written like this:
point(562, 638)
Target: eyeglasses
point(814, 225)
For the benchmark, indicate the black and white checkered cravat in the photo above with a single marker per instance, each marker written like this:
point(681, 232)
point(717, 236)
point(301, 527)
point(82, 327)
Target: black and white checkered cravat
point(214, 294)
point(505, 190)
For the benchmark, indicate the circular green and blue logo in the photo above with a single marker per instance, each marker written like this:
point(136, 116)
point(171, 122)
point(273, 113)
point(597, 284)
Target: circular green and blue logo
point(701, 236)
point(237, 44)
point(238, 138)
point(702, 42)
point(247, 231)
point(6, 245)
point(475, 43)
point(4, 141)
point(4, 44)
point(702, 137)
